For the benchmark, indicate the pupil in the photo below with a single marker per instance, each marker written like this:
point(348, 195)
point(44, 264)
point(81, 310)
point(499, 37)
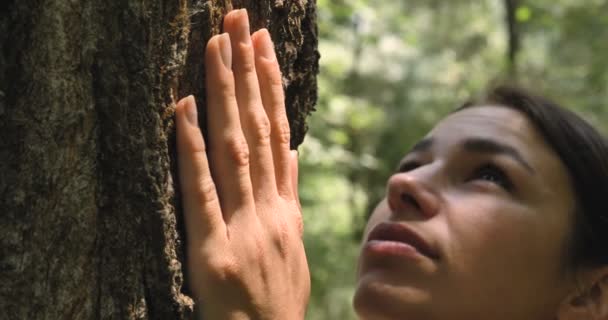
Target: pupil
point(490, 176)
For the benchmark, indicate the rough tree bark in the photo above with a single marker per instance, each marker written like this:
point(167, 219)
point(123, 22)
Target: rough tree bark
point(90, 218)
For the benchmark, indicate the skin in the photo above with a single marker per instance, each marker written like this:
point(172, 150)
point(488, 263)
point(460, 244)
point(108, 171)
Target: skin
point(243, 221)
point(499, 232)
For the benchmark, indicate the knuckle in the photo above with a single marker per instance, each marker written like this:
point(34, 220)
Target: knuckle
point(247, 66)
point(223, 269)
point(282, 132)
point(226, 90)
point(275, 80)
point(206, 193)
point(198, 148)
point(238, 150)
point(195, 146)
point(246, 63)
point(282, 239)
point(262, 130)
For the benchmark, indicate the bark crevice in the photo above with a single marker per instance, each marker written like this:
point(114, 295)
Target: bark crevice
point(92, 226)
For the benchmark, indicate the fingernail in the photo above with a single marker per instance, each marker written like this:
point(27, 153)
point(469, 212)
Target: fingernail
point(294, 154)
point(191, 112)
point(266, 48)
point(243, 20)
point(226, 50)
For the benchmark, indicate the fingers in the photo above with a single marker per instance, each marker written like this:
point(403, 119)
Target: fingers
point(201, 206)
point(230, 155)
point(293, 162)
point(254, 121)
point(247, 119)
point(293, 167)
point(271, 87)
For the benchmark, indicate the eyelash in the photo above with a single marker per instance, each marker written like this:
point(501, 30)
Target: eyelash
point(502, 179)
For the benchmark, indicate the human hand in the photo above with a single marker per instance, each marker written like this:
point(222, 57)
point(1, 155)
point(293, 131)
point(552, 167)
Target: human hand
point(243, 220)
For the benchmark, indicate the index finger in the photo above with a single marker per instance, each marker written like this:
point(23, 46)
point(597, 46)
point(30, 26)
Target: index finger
point(202, 210)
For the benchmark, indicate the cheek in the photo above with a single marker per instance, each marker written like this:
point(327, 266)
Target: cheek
point(505, 245)
point(488, 235)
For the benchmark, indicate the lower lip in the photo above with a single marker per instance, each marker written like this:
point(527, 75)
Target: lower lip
point(391, 248)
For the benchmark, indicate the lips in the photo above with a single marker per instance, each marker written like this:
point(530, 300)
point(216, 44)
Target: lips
point(396, 232)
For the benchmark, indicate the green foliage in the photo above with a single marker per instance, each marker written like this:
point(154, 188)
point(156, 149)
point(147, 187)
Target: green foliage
point(523, 14)
point(390, 70)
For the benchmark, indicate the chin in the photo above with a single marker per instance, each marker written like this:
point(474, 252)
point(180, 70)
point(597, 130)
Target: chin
point(376, 299)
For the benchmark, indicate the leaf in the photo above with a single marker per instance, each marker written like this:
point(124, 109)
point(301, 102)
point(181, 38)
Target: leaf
point(523, 14)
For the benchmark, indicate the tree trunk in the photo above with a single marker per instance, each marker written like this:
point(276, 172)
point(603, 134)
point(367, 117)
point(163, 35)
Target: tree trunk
point(90, 223)
point(513, 35)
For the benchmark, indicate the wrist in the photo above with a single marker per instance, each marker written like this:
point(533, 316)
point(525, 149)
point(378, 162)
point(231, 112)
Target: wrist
point(207, 314)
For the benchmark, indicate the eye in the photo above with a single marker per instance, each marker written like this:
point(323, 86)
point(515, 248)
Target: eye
point(408, 166)
point(493, 174)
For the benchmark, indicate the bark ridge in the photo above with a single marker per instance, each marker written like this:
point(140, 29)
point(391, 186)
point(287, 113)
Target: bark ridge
point(90, 226)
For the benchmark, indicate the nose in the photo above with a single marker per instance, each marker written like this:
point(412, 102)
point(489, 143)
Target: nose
point(409, 194)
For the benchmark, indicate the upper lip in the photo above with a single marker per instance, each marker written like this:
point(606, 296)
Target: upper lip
point(401, 233)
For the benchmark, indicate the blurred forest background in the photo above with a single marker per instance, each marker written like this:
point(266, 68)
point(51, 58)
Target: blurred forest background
point(391, 69)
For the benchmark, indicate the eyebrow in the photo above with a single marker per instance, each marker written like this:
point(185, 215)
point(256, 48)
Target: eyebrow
point(422, 145)
point(480, 145)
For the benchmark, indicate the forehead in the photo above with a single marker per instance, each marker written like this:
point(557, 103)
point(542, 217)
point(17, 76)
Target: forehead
point(498, 123)
point(509, 127)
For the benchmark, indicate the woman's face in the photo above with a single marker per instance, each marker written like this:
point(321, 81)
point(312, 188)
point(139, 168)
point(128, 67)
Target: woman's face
point(475, 225)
